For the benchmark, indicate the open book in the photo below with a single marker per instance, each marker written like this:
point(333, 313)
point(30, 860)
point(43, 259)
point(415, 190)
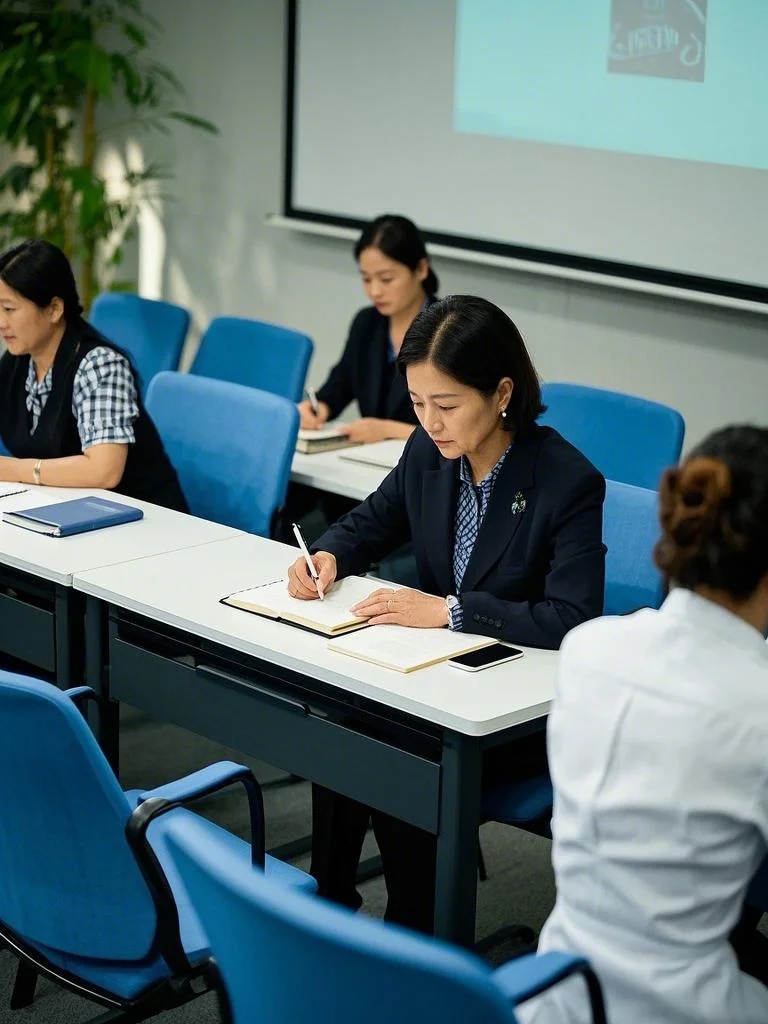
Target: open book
point(405, 649)
point(331, 617)
point(326, 439)
point(383, 454)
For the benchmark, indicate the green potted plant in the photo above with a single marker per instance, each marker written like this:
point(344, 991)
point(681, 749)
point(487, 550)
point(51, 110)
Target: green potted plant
point(62, 64)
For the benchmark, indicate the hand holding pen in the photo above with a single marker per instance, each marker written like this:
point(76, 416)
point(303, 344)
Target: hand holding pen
point(292, 584)
point(312, 411)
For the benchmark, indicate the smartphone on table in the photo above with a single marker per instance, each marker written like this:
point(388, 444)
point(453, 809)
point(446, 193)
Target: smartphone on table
point(485, 657)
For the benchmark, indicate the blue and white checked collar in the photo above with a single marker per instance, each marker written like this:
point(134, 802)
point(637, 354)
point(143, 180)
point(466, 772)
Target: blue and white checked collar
point(465, 473)
point(37, 392)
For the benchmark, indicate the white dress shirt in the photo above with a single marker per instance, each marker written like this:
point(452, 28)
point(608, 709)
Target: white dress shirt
point(658, 747)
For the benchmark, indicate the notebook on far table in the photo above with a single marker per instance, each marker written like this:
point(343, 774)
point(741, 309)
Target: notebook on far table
point(383, 454)
point(76, 516)
point(326, 439)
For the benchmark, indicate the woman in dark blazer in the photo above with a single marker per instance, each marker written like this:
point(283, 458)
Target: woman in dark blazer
point(505, 518)
point(397, 278)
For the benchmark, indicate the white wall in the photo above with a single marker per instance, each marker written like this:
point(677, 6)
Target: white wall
point(221, 257)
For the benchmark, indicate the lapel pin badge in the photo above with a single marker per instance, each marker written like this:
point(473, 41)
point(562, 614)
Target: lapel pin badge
point(518, 505)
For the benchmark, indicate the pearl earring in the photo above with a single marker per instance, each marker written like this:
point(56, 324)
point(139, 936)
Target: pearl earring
point(503, 414)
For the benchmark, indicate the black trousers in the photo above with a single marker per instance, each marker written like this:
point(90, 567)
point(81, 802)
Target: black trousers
point(408, 854)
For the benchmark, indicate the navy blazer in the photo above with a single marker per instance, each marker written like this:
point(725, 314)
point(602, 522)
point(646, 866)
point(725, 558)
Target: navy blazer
point(366, 374)
point(538, 565)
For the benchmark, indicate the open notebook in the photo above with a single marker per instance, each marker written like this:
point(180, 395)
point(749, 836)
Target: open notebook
point(405, 649)
point(326, 439)
point(331, 617)
point(383, 454)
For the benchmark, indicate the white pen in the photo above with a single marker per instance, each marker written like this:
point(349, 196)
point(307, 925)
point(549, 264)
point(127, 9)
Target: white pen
point(308, 559)
point(313, 401)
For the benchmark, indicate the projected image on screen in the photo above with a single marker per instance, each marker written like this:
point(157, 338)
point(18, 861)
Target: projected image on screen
point(627, 76)
point(662, 38)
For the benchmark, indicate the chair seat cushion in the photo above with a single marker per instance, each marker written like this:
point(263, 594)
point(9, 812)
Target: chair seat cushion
point(520, 801)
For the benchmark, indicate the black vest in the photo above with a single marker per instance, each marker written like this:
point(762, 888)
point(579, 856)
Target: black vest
point(148, 473)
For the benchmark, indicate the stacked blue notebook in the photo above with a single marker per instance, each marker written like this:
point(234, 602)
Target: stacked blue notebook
point(76, 516)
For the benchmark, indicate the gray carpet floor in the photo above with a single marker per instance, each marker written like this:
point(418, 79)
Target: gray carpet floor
point(519, 888)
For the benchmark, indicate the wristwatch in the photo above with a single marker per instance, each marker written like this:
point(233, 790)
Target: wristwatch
point(36, 471)
point(453, 604)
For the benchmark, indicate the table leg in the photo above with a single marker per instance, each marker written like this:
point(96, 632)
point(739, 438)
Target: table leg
point(106, 720)
point(65, 624)
point(456, 879)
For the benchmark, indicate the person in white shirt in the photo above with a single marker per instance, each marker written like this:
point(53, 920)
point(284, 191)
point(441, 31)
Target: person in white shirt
point(658, 748)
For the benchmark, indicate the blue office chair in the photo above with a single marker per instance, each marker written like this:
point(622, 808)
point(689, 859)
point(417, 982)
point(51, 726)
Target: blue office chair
point(627, 438)
point(255, 353)
point(630, 531)
point(317, 962)
point(89, 895)
point(151, 332)
point(231, 446)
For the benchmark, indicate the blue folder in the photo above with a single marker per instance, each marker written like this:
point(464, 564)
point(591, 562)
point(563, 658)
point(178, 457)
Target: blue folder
point(76, 516)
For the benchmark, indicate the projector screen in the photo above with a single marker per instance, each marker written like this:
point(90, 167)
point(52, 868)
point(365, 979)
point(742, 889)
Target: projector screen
point(621, 137)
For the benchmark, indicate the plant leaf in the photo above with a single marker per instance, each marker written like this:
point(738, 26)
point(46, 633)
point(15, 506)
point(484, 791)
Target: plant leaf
point(195, 122)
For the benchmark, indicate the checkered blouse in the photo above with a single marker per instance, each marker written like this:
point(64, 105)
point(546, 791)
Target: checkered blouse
point(103, 398)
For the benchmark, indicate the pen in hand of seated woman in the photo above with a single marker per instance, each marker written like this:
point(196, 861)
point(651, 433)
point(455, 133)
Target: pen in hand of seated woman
point(313, 572)
point(301, 582)
point(312, 412)
point(401, 607)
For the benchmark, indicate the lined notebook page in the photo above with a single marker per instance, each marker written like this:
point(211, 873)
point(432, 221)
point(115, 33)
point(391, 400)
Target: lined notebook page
point(328, 616)
point(404, 648)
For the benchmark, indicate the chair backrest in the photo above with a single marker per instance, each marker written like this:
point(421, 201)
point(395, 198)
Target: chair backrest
point(152, 332)
point(627, 438)
point(231, 446)
point(285, 956)
point(68, 880)
point(255, 353)
point(630, 531)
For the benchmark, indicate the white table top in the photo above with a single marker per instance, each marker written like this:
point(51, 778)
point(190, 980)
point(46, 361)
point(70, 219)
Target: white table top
point(182, 589)
point(58, 558)
point(326, 471)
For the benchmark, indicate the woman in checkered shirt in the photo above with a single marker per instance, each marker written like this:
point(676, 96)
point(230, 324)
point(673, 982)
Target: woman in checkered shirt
point(70, 410)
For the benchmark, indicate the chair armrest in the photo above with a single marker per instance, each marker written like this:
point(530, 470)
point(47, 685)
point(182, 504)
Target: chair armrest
point(80, 693)
point(528, 976)
point(196, 784)
point(180, 792)
point(162, 799)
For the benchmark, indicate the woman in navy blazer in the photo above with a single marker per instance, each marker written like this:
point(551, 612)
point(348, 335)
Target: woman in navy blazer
point(397, 278)
point(505, 518)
